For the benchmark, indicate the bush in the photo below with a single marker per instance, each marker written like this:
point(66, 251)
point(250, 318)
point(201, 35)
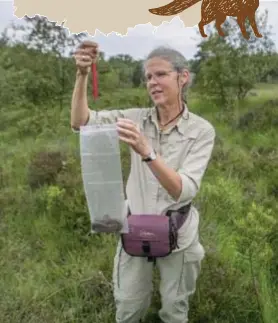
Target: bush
point(220, 288)
point(44, 168)
point(260, 118)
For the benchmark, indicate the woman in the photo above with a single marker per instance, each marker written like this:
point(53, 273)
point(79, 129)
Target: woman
point(170, 151)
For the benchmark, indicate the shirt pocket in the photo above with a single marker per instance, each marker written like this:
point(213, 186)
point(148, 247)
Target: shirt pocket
point(178, 148)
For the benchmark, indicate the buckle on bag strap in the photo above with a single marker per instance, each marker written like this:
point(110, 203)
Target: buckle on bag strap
point(147, 249)
point(180, 215)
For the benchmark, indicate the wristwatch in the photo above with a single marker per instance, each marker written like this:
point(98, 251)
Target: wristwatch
point(150, 157)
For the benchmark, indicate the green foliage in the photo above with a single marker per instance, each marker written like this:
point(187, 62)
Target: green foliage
point(262, 118)
point(228, 68)
point(44, 168)
point(44, 36)
point(137, 77)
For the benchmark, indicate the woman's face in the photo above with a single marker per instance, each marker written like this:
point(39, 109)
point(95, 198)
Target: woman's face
point(164, 84)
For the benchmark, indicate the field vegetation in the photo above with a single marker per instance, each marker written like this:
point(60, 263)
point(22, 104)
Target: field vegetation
point(51, 269)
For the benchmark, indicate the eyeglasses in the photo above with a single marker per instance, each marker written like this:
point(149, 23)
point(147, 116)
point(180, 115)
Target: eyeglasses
point(159, 75)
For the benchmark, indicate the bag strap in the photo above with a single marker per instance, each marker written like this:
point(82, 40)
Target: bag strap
point(179, 216)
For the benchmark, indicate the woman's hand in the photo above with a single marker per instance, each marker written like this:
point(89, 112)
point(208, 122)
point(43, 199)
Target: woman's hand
point(130, 133)
point(85, 55)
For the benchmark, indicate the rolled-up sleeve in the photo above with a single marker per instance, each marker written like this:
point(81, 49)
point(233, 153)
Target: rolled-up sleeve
point(194, 166)
point(109, 116)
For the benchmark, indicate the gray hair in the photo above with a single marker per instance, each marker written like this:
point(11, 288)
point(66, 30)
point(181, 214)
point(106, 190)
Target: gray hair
point(175, 58)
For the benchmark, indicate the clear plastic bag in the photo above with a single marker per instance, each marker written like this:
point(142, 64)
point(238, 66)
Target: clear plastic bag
point(102, 178)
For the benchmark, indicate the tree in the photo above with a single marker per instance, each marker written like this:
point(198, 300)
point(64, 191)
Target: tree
point(124, 65)
point(229, 67)
point(137, 77)
point(44, 36)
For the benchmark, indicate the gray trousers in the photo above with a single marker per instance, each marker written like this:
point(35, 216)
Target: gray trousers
point(132, 277)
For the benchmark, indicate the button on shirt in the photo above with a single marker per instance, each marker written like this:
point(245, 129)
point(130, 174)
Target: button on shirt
point(185, 147)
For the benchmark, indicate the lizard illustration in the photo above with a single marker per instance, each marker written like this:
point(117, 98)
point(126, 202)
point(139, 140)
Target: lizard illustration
point(216, 10)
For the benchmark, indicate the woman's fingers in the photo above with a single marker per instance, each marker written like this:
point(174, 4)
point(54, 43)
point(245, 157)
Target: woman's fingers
point(86, 54)
point(90, 48)
point(128, 124)
point(127, 133)
point(83, 58)
point(88, 44)
point(122, 120)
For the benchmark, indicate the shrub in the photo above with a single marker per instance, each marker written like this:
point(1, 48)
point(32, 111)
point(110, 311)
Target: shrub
point(260, 118)
point(44, 168)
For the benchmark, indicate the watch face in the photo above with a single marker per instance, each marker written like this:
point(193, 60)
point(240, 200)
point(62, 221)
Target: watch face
point(152, 155)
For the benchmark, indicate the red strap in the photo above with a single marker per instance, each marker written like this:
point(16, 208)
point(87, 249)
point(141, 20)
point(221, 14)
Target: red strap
point(94, 81)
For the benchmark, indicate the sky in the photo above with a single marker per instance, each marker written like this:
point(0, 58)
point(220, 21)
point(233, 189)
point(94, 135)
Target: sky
point(142, 38)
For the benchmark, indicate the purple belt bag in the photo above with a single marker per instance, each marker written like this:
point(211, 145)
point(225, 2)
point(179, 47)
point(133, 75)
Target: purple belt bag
point(153, 235)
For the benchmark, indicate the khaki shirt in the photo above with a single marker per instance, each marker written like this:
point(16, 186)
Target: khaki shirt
point(185, 147)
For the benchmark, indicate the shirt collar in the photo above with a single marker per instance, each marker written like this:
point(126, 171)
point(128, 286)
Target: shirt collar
point(181, 124)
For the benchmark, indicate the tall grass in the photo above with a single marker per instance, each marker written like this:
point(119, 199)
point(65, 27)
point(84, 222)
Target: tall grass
point(52, 270)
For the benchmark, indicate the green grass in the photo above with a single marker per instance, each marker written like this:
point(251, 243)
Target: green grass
point(53, 271)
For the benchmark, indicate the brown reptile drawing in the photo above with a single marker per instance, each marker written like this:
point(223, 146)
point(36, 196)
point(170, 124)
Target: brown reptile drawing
point(216, 10)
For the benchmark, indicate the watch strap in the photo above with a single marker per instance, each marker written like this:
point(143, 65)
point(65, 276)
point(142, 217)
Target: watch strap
point(149, 158)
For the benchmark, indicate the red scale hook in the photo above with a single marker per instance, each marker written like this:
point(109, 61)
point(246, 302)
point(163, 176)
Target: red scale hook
point(94, 81)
